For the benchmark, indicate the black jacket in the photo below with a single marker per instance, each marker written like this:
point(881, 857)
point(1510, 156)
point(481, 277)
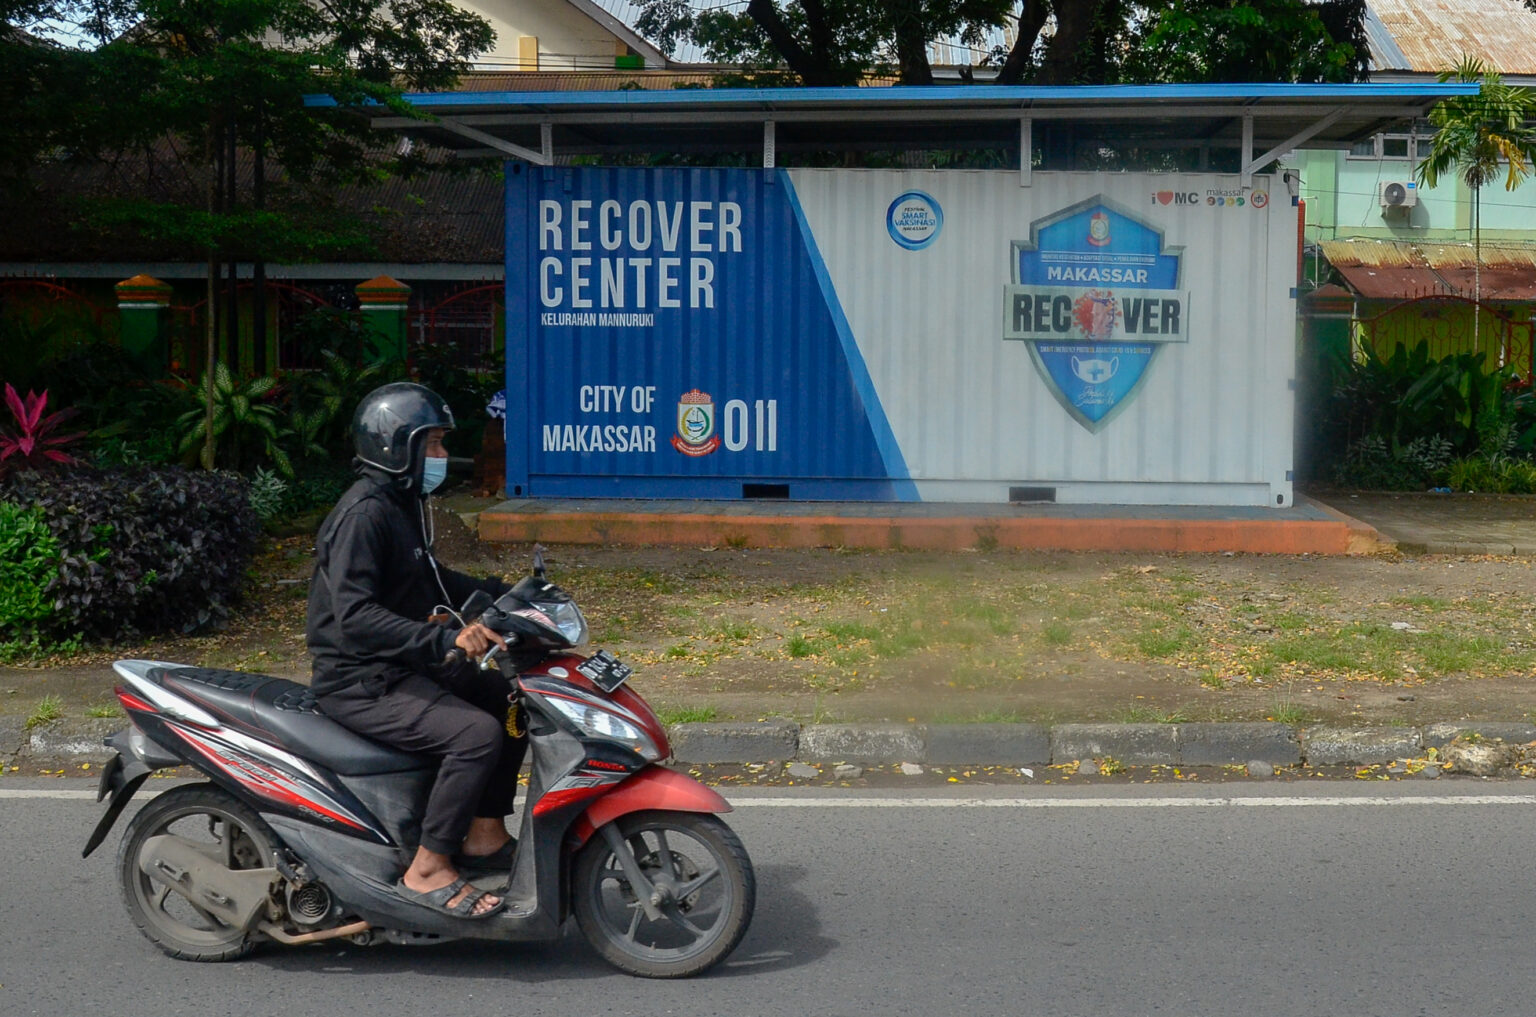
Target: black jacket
point(374, 587)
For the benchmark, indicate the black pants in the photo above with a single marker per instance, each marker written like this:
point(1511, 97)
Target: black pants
point(461, 720)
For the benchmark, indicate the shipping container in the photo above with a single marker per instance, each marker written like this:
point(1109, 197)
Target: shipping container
point(904, 335)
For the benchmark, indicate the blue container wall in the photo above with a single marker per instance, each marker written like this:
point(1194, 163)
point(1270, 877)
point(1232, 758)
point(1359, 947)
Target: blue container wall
point(674, 333)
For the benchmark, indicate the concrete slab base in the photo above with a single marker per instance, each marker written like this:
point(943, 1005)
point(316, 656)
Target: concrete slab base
point(1308, 528)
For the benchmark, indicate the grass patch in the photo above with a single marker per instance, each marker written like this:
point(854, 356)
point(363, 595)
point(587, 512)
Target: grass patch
point(1433, 603)
point(797, 646)
point(677, 651)
point(1284, 711)
point(1290, 621)
point(104, 710)
point(1150, 715)
point(1163, 642)
point(734, 630)
point(1056, 633)
point(1443, 653)
point(850, 632)
point(49, 709)
point(687, 715)
point(1212, 680)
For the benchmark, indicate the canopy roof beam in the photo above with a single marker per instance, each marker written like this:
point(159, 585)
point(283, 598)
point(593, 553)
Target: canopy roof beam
point(546, 157)
point(1255, 163)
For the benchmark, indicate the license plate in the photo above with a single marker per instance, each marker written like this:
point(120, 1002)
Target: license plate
point(606, 671)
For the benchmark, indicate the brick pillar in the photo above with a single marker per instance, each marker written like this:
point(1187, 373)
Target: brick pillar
point(142, 303)
point(384, 302)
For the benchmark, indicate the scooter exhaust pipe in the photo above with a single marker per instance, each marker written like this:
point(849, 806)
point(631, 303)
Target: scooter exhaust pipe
point(313, 937)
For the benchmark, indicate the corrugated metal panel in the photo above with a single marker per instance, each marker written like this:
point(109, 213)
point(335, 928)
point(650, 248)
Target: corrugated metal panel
point(580, 81)
point(971, 412)
point(885, 363)
point(1432, 35)
point(1400, 253)
point(1391, 269)
point(706, 342)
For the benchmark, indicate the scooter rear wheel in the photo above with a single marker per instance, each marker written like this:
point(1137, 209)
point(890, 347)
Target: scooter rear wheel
point(700, 881)
point(217, 824)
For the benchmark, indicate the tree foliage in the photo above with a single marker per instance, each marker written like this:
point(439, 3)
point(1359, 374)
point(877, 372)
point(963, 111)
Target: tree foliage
point(1055, 42)
point(1481, 136)
point(1484, 135)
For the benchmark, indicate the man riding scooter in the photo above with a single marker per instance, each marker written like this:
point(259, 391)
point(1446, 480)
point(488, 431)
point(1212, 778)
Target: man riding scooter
point(384, 670)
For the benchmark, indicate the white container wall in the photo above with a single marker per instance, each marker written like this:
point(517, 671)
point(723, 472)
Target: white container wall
point(1208, 422)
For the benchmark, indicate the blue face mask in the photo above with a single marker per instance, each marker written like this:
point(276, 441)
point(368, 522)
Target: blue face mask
point(433, 473)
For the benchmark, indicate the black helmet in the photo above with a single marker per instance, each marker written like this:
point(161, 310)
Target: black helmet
point(387, 426)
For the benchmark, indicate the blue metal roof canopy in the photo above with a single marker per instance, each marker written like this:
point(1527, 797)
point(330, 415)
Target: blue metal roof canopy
point(1260, 121)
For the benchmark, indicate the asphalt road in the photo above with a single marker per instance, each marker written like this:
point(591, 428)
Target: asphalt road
point(1317, 899)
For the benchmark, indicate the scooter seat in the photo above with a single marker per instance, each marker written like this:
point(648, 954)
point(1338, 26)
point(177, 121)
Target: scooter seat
point(286, 712)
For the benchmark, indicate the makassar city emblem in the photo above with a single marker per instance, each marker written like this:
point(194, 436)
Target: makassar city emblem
point(696, 424)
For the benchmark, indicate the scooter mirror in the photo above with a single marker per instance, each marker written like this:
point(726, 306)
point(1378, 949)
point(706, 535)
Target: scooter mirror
point(475, 605)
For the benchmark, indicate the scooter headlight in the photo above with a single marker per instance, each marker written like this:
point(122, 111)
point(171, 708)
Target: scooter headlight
point(565, 618)
point(596, 722)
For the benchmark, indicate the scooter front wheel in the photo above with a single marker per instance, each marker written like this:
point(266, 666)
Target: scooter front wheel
point(675, 904)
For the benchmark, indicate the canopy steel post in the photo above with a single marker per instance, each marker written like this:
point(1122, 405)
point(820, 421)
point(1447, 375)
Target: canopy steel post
point(770, 144)
point(1026, 150)
point(1247, 153)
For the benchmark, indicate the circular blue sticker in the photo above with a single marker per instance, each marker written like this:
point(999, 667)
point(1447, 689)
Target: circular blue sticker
point(914, 220)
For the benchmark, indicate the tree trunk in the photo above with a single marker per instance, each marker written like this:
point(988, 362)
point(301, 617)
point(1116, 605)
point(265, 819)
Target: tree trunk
point(232, 307)
point(1031, 20)
point(210, 312)
point(1075, 47)
point(259, 268)
point(815, 65)
point(1477, 266)
point(911, 42)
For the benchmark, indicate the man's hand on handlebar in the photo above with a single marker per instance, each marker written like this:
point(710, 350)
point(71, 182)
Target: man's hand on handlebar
point(475, 639)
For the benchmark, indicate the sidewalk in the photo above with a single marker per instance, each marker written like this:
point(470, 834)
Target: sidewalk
point(1309, 527)
point(1422, 523)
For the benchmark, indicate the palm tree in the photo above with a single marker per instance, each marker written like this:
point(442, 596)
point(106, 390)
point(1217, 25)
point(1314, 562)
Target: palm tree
point(1481, 136)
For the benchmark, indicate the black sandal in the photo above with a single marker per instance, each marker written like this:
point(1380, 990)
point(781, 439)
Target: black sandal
point(497, 863)
point(437, 900)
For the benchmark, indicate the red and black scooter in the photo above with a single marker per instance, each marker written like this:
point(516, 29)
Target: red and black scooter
point(303, 827)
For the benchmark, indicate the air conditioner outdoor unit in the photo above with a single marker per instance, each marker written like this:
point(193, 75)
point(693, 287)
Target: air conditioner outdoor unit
point(1399, 194)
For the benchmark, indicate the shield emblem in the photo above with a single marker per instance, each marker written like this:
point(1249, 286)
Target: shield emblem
point(695, 422)
point(1086, 287)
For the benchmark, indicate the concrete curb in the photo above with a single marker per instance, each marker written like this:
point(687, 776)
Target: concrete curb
point(13, 735)
point(1190, 744)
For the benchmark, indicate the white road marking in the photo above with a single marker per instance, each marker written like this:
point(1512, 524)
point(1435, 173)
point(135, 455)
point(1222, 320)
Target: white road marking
point(1299, 801)
point(1126, 803)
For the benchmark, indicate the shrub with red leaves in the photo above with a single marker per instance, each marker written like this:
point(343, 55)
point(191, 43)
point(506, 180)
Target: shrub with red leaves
point(31, 444)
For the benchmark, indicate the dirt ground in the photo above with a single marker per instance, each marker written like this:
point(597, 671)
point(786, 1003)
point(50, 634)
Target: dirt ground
point(829, 635)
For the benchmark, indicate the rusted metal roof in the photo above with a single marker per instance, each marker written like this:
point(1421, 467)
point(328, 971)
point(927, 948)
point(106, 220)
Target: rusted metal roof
point(581, 81)
point(1430, 36)
point(1395, 269)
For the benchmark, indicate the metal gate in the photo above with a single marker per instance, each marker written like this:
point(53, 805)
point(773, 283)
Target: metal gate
point(1446, 325)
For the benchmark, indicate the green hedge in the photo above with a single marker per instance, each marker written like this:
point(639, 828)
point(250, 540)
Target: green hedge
point(137, 550)
point(29, 561)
